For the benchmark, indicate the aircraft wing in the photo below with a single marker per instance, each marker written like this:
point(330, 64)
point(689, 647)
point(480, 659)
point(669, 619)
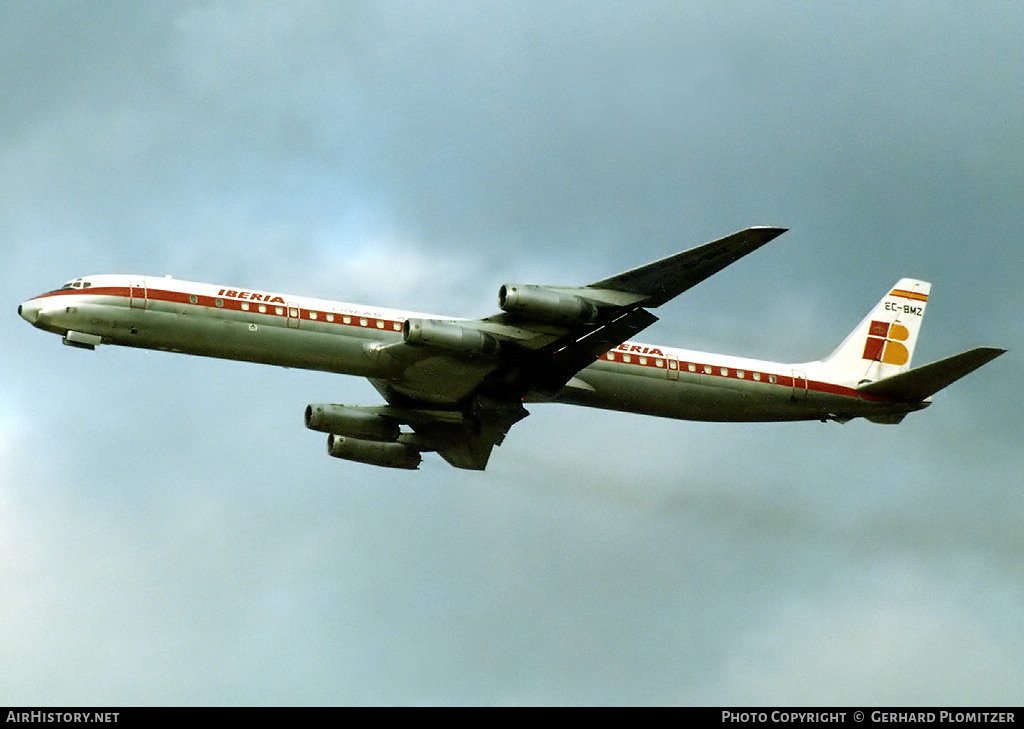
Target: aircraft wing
point(663, 280)
point(620, 311)
point(544, 335)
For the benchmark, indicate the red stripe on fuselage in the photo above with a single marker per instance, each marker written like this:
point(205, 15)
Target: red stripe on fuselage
point(230, 304)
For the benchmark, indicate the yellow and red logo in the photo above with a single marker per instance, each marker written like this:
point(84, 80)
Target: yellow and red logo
point(885, 343)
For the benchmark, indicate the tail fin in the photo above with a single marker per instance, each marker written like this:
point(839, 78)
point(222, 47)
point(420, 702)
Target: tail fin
point(882, 345)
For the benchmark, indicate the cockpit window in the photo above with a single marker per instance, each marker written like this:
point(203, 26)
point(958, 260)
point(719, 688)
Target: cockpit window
point(78, 283)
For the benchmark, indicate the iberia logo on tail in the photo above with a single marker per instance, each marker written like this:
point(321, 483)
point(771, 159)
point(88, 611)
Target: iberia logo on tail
point(885, 343)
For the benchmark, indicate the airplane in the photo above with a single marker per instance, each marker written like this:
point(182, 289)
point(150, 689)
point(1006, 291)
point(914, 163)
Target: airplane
point(459, 385)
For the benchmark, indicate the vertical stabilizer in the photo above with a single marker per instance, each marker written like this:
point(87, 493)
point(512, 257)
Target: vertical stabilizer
point(882, 345)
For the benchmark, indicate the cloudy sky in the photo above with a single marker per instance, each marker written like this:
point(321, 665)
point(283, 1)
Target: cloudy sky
point(171, 534)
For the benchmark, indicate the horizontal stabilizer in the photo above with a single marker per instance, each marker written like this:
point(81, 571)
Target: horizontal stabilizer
point(921, 382)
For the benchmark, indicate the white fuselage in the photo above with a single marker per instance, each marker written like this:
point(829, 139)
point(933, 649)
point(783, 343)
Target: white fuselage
point(292, 331)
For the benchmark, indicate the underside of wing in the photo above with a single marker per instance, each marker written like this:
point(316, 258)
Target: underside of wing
point(468, 442)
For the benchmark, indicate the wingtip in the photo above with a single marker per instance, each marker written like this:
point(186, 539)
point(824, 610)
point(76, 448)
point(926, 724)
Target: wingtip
point(769, 230)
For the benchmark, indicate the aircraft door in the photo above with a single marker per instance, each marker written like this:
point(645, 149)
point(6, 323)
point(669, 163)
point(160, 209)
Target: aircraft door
point(672, 367)
point(137, 294)
point(799, 385)
point(293, 315)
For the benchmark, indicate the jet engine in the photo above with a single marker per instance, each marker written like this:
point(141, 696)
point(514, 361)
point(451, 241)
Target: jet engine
point(354, 422)
point(449, 337)
point(537, 302)
point(389, 455)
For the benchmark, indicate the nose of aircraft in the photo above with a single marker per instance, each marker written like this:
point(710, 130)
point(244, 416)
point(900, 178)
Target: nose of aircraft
point(29, 311)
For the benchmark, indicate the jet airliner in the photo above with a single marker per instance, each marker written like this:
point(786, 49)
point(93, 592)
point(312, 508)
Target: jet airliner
point(456, 386)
